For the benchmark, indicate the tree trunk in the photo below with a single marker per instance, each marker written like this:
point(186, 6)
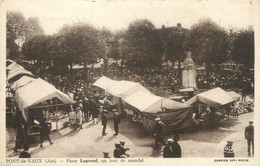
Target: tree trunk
point(85, 75)
point(122, 62)
point(179, 72)
point(105, 66)
point(71, 71)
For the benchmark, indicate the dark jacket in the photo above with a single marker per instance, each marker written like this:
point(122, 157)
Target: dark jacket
point(117, 153)
point(158, 129)
point(167, 151)
point(45, 130)
point(116, 119)
point(94, 109)
point(249, 132)
point(176, 150)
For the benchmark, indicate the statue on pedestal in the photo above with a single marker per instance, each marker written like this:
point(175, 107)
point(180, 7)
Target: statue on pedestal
point(189, 73)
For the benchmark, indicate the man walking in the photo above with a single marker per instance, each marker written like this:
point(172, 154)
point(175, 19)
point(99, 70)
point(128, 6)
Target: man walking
point(249, 135)
point(158, 133)
point(86, 106)
point(44, 131)
point(104, 122)
point(116, 122)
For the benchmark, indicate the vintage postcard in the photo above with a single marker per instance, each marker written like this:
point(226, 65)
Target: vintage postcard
point(149, 82)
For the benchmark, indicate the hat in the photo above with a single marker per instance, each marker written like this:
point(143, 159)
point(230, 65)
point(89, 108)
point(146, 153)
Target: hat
point(157, 119)
point(105, 111)
point(169, 140)
point(230, 142)
point(122, 142)
point(117, 145)
point(80, 101)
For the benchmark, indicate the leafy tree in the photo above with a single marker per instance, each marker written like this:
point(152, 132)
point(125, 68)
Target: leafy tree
point(33, 28)
point(36, 49)
point(143, 44)
point(105, 41)
point(15, 33)
point(115, 52)
point(79, 43)
point(208, 43)
point(243, 51)
point(174, 44)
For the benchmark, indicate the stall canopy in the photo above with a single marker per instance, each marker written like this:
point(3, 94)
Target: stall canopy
point(145, 102)
point(215, 97)
point(36, 92)
point(13, 66)
point(17, 72)
point(177, 116)
point(21, 82)
point(234, 95)
point(119, 88)
point(173, 105)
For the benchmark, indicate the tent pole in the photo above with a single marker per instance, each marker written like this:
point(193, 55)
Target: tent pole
point(55, 113)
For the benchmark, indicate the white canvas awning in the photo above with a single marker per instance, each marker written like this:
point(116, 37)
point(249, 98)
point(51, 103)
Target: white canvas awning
point(234, 95)
point(21, 82)
point(119, 88)
point(13, 66)
point(215, 97)
point(173, 105)
point(36, 92)
point(145, 102)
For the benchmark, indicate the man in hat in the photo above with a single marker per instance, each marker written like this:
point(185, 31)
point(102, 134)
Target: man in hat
point(228, 151)
point(104, 122)
point(249, 135)
point(44, 131)
point(86, 106)
point(116, 122)
point(117, 151)
point(176, 148)
point(106, 155)
point(95, 110)
point(123, 149)
point(79, 117)
point(158, 133)
point(167, 150)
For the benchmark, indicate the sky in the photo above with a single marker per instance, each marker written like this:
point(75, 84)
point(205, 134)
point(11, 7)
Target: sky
point(118, 14)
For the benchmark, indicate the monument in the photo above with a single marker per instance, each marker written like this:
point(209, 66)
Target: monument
point(189, 73)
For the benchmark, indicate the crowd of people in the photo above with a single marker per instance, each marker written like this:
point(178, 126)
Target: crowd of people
point(88, 99)
point(164, 77)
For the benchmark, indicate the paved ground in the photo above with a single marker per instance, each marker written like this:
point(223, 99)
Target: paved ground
point(89, 142)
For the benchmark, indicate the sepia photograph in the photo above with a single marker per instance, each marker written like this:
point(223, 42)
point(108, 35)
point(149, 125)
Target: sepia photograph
point(130, 79)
